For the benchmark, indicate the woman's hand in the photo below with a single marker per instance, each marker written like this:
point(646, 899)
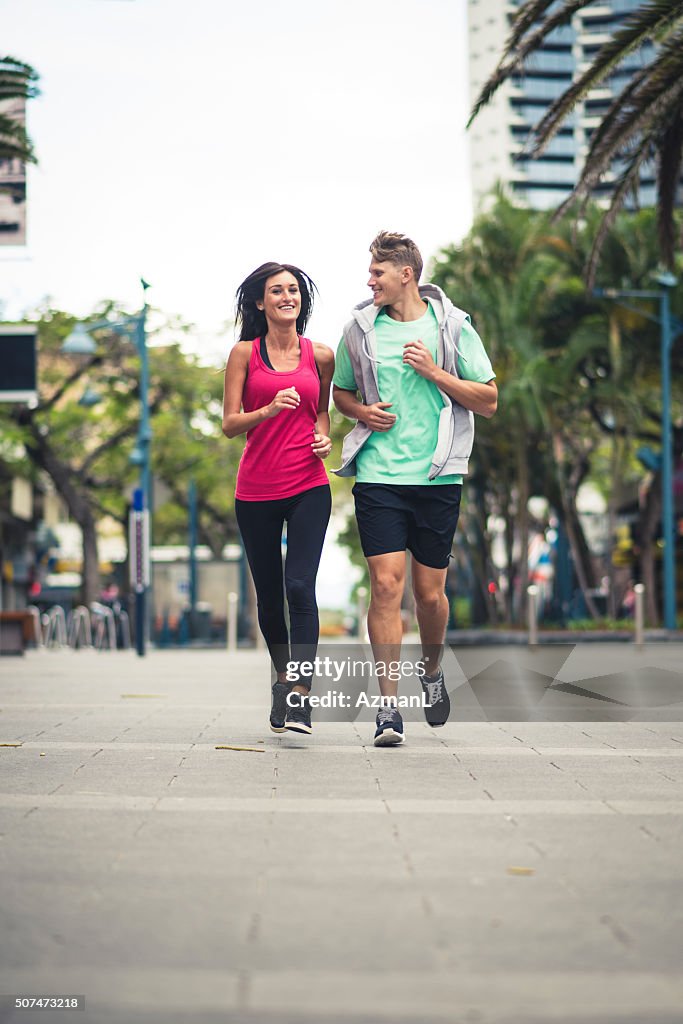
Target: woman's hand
point(288, 398)
point(322, 445)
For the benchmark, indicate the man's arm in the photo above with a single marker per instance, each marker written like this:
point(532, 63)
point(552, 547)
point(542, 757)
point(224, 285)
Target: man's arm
point(374, 416)
point(481, 398)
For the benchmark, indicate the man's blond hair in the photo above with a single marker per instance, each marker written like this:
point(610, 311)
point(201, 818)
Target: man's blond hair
point(391, 247)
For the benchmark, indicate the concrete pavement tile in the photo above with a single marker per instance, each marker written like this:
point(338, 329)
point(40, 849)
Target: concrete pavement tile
point(648, 923)
point(319, 923)
point(512, 923)
point(612, 843)
point(107, 925)
point(442, 848)
point(261, 805)
point(226, 849)
point(341, 850)
point(67, 859)
point(131, 771)
point(47, 828)
point(666, 829)
point(662, 766)
point(567, 777)
point(635, 734)
point(25, 771)
point(11, 818)
point(539, 995)
point(128, 991)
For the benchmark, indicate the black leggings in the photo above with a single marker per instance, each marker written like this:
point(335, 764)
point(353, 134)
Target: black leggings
point(307, 515)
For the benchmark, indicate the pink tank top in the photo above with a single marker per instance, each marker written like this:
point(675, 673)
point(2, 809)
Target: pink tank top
point(277, 460)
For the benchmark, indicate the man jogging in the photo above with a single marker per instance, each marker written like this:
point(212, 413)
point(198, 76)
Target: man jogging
point(412, 371)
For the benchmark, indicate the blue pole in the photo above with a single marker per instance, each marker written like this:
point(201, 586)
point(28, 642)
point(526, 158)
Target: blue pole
point(144, 439)
point(668, 532)
point(145, 433)
point(138, 568)
point(192, 502)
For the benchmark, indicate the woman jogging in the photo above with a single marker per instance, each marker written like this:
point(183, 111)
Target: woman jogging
point(277, 387)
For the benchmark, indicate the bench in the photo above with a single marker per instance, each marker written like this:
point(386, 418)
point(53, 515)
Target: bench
point(16, 630)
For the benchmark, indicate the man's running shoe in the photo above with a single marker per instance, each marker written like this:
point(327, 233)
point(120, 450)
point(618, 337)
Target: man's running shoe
point(389, 731)
point(434, 689)
point(298, 717)
point(278, 708)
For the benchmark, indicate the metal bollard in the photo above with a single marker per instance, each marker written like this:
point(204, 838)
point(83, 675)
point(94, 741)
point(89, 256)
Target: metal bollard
point(532, 612)
point(639, 614)
point(232, 621)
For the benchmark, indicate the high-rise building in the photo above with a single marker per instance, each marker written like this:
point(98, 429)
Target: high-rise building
point(499, 132)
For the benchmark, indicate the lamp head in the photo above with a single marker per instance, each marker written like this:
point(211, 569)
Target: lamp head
point(78, 343)
point(89, 398)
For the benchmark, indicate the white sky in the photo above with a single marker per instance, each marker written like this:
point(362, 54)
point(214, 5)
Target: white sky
point(189, 142)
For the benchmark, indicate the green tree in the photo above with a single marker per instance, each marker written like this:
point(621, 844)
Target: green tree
point(514, 278)
point(86, 450)
point(644, 122)
point(575, 375)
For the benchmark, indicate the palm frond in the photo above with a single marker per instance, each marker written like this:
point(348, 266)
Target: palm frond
point(511, 60)
point(669, 64)
point(628, 180)
point(525, 16)
point(628, 131)
point(648, 21)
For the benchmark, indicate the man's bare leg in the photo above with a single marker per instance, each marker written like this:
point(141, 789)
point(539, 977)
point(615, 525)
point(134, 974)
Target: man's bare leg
point(385, 628)
point(431, 605)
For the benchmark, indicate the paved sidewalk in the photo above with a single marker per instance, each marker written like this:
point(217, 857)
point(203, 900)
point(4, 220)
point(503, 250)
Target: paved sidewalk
point(483, 873)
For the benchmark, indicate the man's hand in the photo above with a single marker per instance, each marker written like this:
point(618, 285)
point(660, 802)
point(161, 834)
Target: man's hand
point(376, 418)
point(418, 356)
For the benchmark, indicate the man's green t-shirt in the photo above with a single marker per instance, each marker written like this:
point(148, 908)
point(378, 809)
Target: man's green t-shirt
point(403, 454)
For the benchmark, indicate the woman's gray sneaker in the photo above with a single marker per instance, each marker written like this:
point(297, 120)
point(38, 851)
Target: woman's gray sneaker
point(278, 708)
point(298, 713)
point(434, 689)
point(389, 731)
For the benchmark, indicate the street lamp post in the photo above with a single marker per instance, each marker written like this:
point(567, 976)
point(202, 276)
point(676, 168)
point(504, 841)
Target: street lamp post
point(667, 325)
point(80, 342)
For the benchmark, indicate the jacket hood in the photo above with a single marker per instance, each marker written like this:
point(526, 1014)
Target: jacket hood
point(366, 312)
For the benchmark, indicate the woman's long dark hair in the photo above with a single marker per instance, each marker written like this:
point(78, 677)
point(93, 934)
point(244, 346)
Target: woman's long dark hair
point(251, 321)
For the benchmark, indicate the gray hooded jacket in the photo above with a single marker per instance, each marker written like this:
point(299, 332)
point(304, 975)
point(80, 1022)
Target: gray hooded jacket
point(456, 424)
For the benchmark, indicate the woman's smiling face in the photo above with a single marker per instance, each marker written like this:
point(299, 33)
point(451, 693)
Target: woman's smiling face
point(281, 301)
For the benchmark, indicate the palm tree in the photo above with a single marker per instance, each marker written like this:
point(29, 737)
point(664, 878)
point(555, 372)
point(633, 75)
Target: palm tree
point(525, 293)
point(644, 123)
point(17, 82)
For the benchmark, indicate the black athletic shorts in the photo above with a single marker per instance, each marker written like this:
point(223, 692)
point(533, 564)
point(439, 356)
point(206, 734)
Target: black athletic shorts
point(420, 518)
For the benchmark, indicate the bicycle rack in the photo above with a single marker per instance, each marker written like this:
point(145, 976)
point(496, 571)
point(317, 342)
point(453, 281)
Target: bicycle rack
point(124, 624)
point(79, 626)
point(54, 627)
point(105, 627)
